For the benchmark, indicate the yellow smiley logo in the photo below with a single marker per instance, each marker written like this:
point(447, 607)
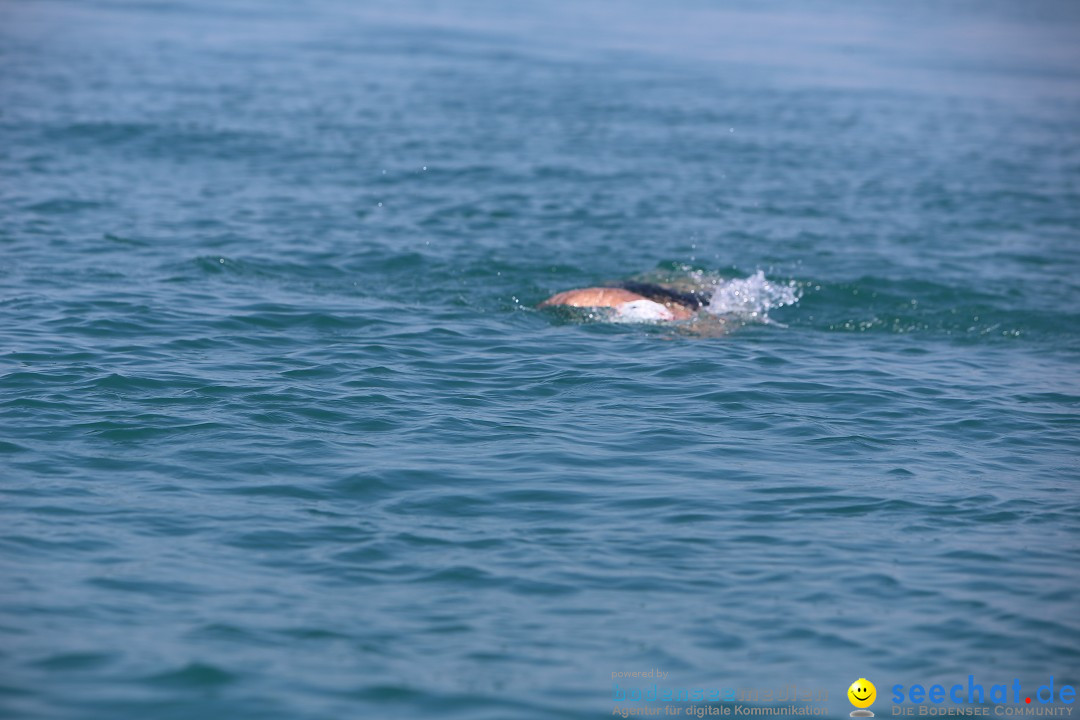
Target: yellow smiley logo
point(862, 693)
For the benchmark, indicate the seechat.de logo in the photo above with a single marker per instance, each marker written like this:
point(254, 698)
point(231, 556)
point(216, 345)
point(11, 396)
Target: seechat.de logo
point(975, 693)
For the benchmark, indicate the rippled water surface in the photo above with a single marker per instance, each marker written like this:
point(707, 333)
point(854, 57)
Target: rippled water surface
point(283, 435)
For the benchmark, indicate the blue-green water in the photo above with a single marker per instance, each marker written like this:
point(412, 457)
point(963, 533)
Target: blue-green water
point(283, 436)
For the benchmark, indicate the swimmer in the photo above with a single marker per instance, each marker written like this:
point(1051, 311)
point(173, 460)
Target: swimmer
point(634, 300)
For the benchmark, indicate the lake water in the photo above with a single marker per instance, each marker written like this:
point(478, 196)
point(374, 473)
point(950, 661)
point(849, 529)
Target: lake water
point(283, 435)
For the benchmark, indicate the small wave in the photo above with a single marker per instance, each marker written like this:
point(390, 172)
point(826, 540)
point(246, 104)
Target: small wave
point(752, 297)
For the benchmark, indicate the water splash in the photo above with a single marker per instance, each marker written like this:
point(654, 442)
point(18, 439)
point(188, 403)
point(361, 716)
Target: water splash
point(752, 297)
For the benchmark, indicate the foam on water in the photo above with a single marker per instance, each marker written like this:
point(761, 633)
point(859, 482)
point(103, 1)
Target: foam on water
point(752, 297)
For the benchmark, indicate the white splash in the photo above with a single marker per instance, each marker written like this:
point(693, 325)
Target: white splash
point(752, 297)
